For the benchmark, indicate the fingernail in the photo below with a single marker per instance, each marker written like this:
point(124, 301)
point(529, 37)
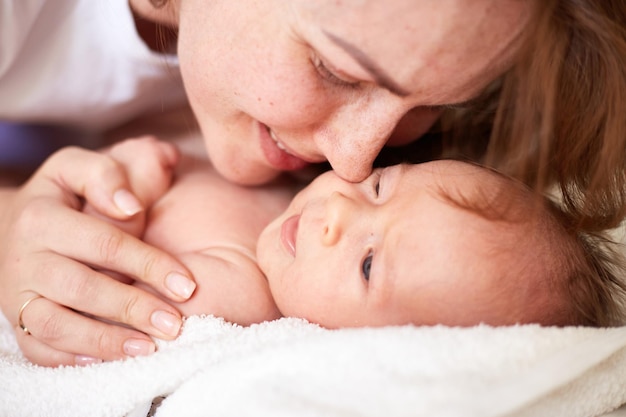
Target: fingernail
point(127, 202)
point(138, 347)
point(82, 360)
point(166, 322)
point(180, 285)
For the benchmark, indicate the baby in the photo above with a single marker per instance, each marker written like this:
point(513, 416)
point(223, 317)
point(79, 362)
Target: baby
point(443, 242)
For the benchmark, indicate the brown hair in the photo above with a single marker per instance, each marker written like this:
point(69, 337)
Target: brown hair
point(559, 115)
point(594, 285)
point(583, 277)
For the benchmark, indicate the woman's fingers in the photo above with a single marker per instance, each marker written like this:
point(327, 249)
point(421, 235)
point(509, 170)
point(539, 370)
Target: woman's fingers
point(49, 248)
point(65, 337)
point(85, 238)
point(149, 166)
point(41, 354)
point(68, 289)
point(101, 245)
point(72, 173)
point(85, 290)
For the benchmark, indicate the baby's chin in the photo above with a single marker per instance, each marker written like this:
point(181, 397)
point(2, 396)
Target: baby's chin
point(267, 245)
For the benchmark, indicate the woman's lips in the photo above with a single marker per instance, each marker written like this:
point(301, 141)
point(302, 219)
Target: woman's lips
point(289, 233)
point(276, 153)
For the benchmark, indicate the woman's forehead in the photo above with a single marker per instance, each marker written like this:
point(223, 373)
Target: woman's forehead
point(438, 49)
point(408, 15)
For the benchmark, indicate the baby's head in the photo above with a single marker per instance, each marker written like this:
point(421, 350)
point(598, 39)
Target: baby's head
point(444, 242)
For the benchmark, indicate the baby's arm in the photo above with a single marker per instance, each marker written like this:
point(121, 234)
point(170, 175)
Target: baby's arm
point(209, 224)
point(230, 285)
point(212, 226)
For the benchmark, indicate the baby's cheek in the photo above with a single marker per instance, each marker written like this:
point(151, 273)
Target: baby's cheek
point(289, 302)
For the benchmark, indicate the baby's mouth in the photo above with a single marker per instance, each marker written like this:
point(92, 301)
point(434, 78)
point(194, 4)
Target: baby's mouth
point(289, 233)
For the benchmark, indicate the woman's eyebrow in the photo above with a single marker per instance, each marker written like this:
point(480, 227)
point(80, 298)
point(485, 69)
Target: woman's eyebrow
point(379, 75)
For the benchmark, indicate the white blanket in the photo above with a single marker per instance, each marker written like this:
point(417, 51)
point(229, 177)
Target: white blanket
point(290, 367)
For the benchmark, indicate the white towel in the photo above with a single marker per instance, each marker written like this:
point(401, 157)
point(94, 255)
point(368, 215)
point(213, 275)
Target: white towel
point(289, 367)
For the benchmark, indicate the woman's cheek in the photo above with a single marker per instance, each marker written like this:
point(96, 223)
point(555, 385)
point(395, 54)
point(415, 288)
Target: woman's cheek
point(292, 102)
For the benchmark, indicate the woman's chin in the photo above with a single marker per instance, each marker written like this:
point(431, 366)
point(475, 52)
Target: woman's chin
point(246, 175)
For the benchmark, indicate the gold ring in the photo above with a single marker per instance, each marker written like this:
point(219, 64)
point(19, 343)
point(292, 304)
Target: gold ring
point(20, 323)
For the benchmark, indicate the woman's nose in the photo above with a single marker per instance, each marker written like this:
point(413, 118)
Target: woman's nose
point(337, 212)
point(354, 163)
point(356, 133)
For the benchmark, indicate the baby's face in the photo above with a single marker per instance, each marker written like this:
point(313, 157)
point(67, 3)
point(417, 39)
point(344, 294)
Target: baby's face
point(389, 250)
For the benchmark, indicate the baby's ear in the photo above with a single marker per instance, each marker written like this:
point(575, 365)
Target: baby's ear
point(164, 12)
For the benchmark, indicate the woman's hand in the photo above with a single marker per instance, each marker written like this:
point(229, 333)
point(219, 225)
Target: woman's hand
point(148, 165)
point(51, 250)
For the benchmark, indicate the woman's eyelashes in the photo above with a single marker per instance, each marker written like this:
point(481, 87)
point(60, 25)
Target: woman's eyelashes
point(366, 265)
point(328, 75)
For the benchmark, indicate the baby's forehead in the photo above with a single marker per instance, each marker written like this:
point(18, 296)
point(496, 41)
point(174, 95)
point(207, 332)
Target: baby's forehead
point(492, 240)
point(481, 191)
point(450, 171)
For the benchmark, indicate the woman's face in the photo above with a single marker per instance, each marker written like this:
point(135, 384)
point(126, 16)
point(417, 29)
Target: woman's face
point(279, 84)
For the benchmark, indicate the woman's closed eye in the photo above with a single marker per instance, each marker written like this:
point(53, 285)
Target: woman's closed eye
point(330, 76)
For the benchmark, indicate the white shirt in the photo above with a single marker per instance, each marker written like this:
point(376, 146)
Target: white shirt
point(80, 63)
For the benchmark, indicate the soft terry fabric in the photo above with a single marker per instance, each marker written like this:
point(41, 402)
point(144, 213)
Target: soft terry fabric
point(289, 367)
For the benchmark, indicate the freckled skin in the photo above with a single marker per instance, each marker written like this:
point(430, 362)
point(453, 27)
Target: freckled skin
point(242, 72)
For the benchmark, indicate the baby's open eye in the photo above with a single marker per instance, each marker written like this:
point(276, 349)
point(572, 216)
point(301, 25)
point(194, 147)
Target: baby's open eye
point(367, 265)
point(374, 181)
